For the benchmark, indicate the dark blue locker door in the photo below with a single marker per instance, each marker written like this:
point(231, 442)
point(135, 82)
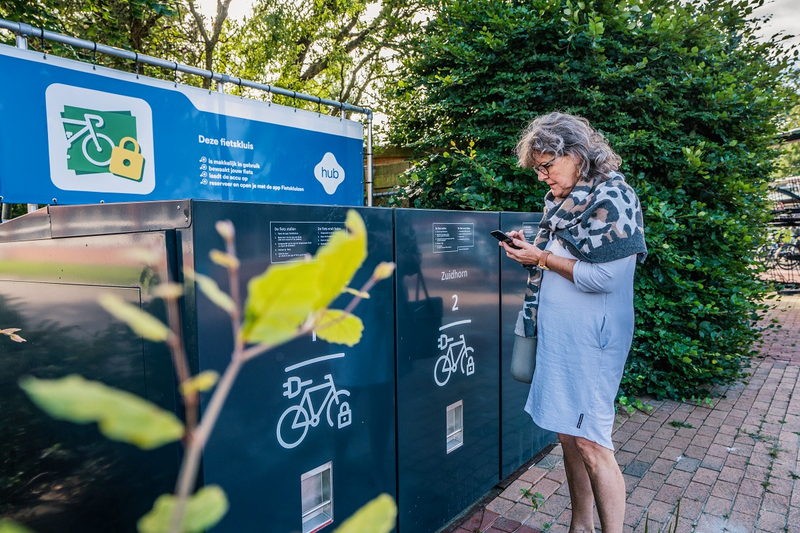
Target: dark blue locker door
point(309, 414)
point(447, 363)
point(521, 438)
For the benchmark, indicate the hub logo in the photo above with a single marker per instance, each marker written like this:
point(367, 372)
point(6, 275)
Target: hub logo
point(329, 173)
point(99, 142)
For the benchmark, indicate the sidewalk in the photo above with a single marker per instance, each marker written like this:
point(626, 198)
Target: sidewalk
point(733, 465)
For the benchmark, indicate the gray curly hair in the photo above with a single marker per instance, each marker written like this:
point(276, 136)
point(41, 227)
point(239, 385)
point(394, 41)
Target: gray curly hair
point(562, 134)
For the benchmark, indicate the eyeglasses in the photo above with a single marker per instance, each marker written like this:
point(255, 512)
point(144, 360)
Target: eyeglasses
point(545, 168)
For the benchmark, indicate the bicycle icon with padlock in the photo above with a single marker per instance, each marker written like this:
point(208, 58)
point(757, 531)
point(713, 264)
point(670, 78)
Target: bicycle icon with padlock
point(294, 422)
point(99, 150)
point(456, 358)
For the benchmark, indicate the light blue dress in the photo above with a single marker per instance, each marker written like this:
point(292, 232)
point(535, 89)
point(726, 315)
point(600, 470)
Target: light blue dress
point(585, 331)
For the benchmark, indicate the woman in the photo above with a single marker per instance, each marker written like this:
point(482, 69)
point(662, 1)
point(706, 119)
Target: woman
point(580, 304)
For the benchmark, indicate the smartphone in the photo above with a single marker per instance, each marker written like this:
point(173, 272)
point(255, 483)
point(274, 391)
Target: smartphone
point(500, 236)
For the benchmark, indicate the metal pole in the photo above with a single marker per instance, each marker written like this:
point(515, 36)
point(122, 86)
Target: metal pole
point(22, 43)
point(369, 159)
point(29, 31)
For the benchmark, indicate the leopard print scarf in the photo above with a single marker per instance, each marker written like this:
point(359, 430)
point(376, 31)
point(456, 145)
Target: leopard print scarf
point(599, 222)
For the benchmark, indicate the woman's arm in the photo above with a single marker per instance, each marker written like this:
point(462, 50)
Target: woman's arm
point(528, 254)
point(601, 277)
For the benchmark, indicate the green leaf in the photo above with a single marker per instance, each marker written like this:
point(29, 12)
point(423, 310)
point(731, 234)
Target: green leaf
point(339, 327)
point(279, 301)
point(340, 258)
point(200, 383)
point(377, 516)
point(7, 526)
point(120, 415)
point(212, 291)
point(140, 322)
point(285, 296)
point(204, 510)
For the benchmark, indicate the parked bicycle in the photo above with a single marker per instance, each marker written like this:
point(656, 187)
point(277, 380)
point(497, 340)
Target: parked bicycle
point(782, 251)
point(294, 422)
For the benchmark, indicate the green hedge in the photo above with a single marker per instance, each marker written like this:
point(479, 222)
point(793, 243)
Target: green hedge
point(687, 97)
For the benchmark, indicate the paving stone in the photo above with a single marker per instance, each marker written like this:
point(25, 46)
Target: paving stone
point(679, 478)
point(637, 468)
point(533, 474)
point(641, 496)
point(708, 523)
point(712, 463)
point(697, 491)
point(724, 489)
point(514, 490)
point(662, 466)
point(733, 475)
point(505, 524)
point(546, 487)
point(652, 480)
point(487, 519)
point(687, 464)
point(499, 506)
point(519, 512)
point(739, 522)
point(474, 522)
point(669, 494)
point(775, 502)
point(624, 457)
point(633, 514)
point(747, 504)
point(771, 521)
point(718, 506)
point(559, 475)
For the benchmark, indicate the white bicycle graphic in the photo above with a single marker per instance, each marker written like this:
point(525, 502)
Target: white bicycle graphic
point(89, 134)
point(294, 422)
point(449, 363)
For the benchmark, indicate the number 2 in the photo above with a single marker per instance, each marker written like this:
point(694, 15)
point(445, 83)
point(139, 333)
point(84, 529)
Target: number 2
point(455, 303)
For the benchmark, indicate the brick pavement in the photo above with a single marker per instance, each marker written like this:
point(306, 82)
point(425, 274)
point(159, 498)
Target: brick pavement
point(733, 465)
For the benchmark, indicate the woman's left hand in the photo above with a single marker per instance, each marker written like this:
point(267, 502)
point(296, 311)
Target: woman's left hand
point(526, 253)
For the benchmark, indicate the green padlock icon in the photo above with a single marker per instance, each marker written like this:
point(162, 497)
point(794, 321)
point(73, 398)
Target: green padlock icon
point(126, 163)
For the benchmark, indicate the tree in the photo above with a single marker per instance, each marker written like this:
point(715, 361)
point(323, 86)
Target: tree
point(333, 49)
point(210, 39)
point(143, 26)
point(686, 95)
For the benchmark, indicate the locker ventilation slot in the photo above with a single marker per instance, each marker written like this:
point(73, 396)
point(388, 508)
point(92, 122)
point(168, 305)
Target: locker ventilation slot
point(317, 493)
point(455, 425)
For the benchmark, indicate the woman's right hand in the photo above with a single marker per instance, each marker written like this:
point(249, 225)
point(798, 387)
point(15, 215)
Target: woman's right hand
point(524, 253)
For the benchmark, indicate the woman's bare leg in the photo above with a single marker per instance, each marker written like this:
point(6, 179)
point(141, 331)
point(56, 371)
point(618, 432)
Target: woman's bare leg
point(580, 487)
point(607, 482)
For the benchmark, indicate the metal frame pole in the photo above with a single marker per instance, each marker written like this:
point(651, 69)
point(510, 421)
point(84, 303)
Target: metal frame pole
point(22, 44)
point(369, 159)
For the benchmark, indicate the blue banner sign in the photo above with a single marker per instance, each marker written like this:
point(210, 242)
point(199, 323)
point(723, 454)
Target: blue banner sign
point(76, 134)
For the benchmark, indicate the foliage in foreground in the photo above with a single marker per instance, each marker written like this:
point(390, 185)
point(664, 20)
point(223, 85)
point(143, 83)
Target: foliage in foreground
point(285, 302)
point(685, 94)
